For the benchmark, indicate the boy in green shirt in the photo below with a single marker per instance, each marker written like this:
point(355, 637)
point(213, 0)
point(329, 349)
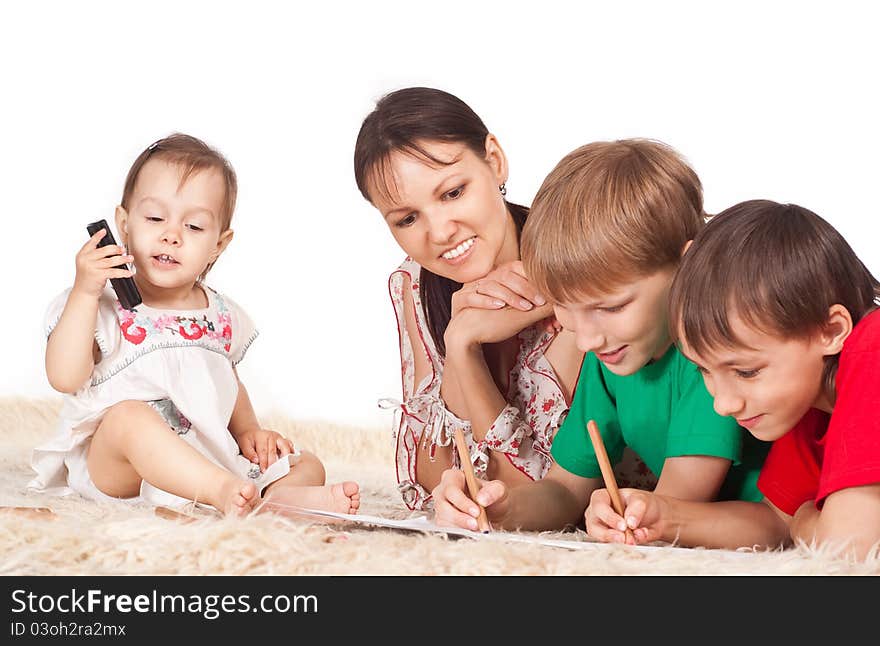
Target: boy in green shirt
point(604, 237)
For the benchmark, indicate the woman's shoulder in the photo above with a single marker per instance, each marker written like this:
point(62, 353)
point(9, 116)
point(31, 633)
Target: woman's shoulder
point(409, 268)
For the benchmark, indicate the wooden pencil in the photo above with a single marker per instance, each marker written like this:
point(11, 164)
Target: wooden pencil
point(172, 514)
point(468, 468)
point(31, 512)
point(607, 471)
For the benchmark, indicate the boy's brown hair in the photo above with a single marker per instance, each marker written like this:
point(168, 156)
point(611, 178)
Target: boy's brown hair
point(778, 267)
point(610, 212)
point(192, 155)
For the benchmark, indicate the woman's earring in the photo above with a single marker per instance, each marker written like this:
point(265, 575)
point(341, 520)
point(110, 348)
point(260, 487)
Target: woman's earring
point(503, 188)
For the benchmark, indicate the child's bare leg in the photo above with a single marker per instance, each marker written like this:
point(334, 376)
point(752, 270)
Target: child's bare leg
point(304, 487)
point(134, 443)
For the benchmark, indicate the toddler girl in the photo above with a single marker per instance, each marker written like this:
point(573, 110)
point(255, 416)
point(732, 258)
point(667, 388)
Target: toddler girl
point(153, 409)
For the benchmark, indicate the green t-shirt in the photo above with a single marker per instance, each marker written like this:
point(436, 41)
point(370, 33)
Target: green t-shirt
point(661, 411)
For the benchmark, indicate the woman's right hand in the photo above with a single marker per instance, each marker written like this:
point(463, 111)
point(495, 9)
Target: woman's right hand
point(453, 507)
point(505, 285)
point(95, 265)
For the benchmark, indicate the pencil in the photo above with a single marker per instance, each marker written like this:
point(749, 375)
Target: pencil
point(32, 512)
point(607, 471)
point(468, 468)
point(172, 514)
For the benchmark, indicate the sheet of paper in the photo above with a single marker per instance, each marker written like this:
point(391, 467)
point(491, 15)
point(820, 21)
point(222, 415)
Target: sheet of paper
point(425, 524)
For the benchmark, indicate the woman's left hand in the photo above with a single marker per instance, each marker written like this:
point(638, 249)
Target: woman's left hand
point(476, 326)
point(505, 285)
point(262, 446)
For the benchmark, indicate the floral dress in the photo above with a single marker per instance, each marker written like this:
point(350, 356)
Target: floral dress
point(179, 362)
point(523, 430)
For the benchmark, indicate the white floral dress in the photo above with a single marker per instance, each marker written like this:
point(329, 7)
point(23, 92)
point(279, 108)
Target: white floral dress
point(181, 363)
point(524, 429)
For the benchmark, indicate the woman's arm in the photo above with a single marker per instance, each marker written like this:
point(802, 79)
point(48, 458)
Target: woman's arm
point(504, 287)
point(431, 460)
point(480, 396)
point(467, 382)
point(464, 337)
point(486, 403)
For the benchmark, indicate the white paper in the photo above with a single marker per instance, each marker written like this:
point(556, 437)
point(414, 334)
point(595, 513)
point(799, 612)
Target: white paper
point(425, 524)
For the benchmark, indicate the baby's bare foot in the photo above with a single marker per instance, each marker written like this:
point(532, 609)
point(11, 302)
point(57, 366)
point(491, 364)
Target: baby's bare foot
point(342, 497)
point(237, 497)
point(344, 494)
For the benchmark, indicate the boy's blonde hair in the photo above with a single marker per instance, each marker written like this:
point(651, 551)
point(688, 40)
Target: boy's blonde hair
point(192, 155)
point(609, 213)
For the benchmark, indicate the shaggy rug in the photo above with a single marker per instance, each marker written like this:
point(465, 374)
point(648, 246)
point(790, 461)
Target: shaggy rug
point(86, 538)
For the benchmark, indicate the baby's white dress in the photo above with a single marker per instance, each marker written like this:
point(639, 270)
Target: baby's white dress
point(181, 363)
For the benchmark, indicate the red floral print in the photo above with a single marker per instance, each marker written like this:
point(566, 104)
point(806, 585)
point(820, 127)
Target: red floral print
point(135, 336)
point(197, 331)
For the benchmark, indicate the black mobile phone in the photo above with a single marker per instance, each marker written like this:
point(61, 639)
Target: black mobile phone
point(126, 291)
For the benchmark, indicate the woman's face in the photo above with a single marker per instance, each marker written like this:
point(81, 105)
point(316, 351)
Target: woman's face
point(451, 219)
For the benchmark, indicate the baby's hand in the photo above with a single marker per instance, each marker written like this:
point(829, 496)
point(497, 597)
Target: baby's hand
point(95, 265)
point(262, 446)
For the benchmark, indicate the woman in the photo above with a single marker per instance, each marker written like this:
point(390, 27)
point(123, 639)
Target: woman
point(479, 348)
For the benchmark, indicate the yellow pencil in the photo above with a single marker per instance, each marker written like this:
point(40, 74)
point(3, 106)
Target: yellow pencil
point(468, 468)
point(607, 471)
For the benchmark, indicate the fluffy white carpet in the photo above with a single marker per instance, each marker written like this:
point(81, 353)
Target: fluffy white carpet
point(90, 538)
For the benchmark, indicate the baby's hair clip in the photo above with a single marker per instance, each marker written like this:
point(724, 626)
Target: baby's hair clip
point(153, 145)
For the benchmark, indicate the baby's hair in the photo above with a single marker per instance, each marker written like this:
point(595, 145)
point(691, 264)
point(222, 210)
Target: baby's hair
point(192, 155)
point(778, 267)
point(609, 213)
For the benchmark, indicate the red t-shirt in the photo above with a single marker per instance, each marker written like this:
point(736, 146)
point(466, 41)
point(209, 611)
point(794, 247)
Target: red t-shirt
point(826, 453)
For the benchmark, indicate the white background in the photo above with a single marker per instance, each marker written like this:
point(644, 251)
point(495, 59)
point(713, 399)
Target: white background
point(773, 100)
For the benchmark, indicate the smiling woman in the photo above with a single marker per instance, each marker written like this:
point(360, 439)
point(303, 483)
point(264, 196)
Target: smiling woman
point(480, 351)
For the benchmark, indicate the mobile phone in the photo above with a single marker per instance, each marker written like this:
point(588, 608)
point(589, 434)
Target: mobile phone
point(126, 291)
